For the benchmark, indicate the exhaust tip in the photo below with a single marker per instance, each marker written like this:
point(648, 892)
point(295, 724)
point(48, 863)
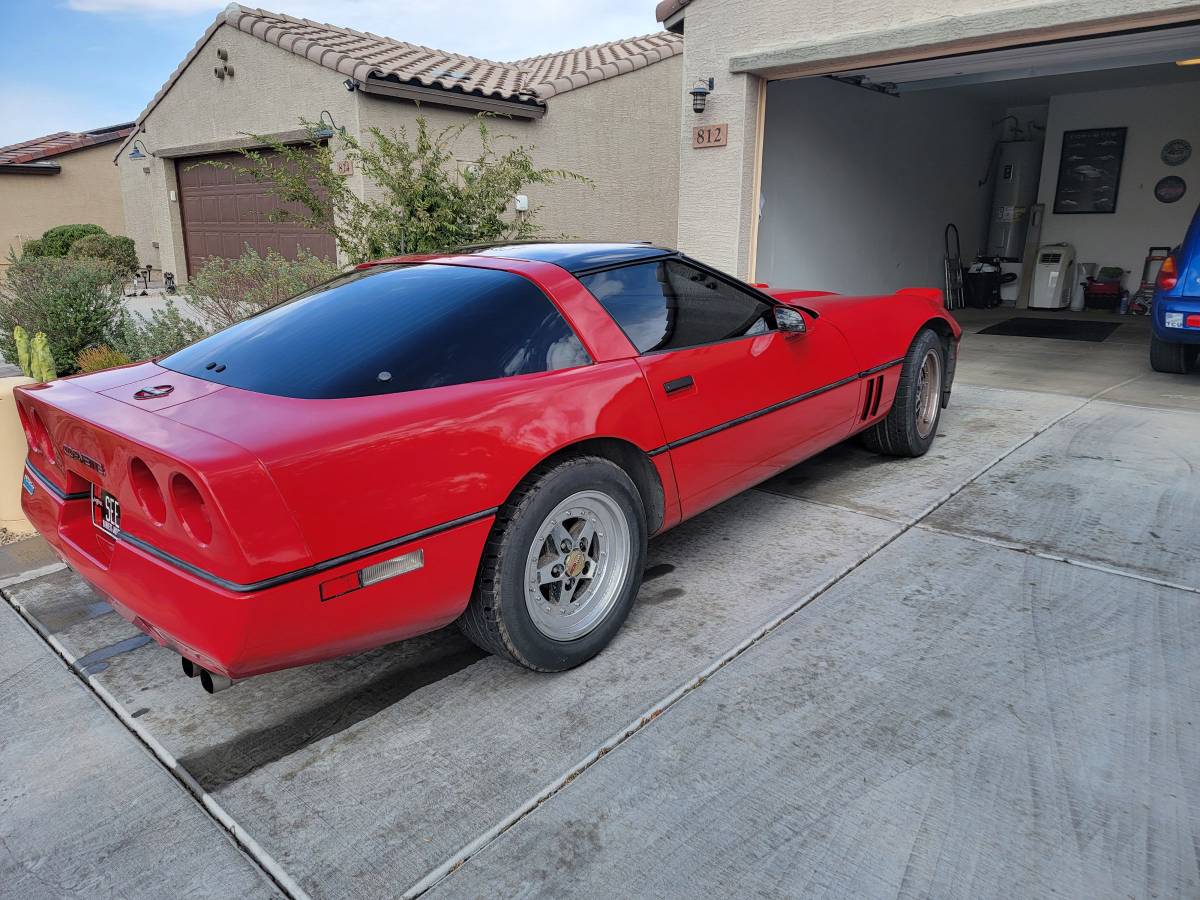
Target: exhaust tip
point(190, 669)
point(214, 683)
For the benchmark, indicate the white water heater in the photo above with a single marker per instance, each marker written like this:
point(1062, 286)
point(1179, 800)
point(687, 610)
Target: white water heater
point(1015, 187)
point(1052, 277)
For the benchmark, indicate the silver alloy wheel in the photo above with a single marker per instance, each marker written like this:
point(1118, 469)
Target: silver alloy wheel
point(577, 565)
point(929, 392)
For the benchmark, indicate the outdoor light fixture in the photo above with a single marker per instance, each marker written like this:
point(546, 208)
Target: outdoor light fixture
point(700, 91)
point(327, 126)
point(139, 151)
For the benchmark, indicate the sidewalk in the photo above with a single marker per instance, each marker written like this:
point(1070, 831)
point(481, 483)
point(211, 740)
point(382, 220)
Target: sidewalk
point(85, 810)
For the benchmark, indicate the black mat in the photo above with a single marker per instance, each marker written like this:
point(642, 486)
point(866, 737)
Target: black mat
point(1058, 329)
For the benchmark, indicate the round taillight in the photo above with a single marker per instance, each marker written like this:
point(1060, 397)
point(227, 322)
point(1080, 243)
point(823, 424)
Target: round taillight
point(190, 506)
point(24, 417)
point(145, 488)
point(41, 437)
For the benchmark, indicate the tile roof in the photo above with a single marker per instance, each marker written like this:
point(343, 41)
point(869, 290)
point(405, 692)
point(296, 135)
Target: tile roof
point(50, 145)
point(362, 55)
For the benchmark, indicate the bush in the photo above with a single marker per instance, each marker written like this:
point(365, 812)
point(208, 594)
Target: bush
point(114, 248)
point(57, 241)
point(74, 301)
point(94, 359)
point(33, 248)
point(164, 331)
point(225, 291)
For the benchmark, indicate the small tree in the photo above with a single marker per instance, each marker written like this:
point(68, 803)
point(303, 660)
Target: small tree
point(423, 202)
point(225, 291)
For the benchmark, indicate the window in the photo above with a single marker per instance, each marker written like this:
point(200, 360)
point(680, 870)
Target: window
point(669, 305)
point(389, 329)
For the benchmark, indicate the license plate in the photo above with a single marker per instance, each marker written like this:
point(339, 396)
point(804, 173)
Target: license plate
point(106, 511)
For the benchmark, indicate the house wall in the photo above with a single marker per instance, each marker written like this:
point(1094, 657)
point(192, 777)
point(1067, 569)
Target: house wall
point(1153, 115)
point(860, 204)
point(733, 40)
point(86, 191)
point(270, 92)
point(622, 133)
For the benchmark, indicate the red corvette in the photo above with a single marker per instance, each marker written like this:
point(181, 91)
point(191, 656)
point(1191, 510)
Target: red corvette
point(487, 438)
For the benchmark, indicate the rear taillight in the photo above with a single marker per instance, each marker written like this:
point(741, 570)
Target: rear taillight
point(190, 506)
point(146, 489)
point(1168, 274)
point(39, 437)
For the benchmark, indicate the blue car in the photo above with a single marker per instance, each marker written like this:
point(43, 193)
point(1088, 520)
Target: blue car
point(1175, 342)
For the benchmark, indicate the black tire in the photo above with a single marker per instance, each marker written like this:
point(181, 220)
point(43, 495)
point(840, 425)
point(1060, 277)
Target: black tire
point(1175, 359)
point(898, 433)
point(497, 618)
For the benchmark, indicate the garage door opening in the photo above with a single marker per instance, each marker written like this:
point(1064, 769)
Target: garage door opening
point(863, 171)
point(224, 210)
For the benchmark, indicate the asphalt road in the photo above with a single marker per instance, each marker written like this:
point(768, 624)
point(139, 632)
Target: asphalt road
point(971, 674)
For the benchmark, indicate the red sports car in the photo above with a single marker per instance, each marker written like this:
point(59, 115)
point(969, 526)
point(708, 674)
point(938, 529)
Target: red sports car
point(487, 437)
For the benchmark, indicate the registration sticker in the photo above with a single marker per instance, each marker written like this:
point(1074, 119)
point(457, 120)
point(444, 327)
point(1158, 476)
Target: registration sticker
point(27, 483)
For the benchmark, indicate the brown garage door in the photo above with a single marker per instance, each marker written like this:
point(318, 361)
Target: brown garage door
point(224, 210)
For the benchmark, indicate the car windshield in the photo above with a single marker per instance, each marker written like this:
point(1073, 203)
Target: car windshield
point(389, 329)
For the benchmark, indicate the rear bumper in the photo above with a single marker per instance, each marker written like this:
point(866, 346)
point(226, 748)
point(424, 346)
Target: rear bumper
point(249, 632)
point(1186, 306)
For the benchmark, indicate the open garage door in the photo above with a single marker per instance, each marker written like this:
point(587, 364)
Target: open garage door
point(223, 211)
point(863, 169)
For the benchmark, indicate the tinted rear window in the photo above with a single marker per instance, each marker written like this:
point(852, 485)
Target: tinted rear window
point(386, 330)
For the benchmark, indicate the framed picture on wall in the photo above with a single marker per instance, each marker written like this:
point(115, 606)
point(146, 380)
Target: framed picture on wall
point(1089, 171)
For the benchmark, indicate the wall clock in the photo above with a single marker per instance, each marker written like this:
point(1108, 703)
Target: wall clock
point(1176, 152)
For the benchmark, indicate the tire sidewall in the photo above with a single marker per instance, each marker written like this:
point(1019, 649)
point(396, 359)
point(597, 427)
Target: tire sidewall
point(521, 635)
point(926, 341)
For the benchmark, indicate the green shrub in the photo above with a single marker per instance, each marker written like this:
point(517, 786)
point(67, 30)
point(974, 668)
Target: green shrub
point(41, 360)
point(21, 339)
point(95, 359)
point(164, 331)
point(73, 301)
point(225, 291)
point(33, 248)
point(114, 248)
point(57, 241)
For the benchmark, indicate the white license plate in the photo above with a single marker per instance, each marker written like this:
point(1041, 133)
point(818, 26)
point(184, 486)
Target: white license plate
point(106, 511)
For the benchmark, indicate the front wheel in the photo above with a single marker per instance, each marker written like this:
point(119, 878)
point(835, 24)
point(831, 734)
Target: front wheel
point(1175, 359)
point(911, 425)
point(562, 566)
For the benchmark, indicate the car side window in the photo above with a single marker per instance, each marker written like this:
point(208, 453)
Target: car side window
point(669, 305)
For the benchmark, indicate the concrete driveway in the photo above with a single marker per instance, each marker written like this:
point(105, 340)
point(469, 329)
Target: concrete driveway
point(971, 674)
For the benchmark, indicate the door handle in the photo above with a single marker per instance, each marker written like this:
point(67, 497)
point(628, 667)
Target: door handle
point(678, 384)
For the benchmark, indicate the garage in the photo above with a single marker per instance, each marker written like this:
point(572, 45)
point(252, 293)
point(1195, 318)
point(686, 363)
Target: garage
point(223, 210)
point(1041, 167)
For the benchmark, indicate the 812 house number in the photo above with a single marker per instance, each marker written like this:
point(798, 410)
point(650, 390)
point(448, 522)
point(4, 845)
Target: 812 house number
point(704, 136)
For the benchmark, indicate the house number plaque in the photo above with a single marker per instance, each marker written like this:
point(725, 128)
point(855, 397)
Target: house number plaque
point(705, 136)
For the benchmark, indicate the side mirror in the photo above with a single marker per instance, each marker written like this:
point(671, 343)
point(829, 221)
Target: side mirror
point(789, 320)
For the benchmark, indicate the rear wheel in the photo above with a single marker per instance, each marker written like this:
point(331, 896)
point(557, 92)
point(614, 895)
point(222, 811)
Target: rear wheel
point(562, 567)
point(1176, 359)
point(911, 425)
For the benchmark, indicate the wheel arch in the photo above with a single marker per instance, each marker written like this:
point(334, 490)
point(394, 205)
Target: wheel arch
point(633, 461)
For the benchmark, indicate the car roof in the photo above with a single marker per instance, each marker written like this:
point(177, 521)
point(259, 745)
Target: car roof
point(574, 256)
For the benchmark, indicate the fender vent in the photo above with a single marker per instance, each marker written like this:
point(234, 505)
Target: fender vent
point(874, 393)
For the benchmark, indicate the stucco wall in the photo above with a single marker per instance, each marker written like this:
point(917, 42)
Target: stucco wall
point(860, 205)
point(87, 190)
point(716, 185)
point(1153, 115)
point(270, 92)
point(622, 133)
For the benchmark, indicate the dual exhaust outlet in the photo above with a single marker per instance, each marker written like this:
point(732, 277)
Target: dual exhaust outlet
point(208, 680)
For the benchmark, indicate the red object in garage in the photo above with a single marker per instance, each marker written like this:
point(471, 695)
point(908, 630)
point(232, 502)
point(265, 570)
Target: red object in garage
point(486, 437)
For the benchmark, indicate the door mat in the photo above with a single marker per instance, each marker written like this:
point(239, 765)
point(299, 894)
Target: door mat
point(1057, 329)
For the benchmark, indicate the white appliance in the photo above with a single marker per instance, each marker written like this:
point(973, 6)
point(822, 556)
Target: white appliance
point(1052, 276)
point(1010, 288)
